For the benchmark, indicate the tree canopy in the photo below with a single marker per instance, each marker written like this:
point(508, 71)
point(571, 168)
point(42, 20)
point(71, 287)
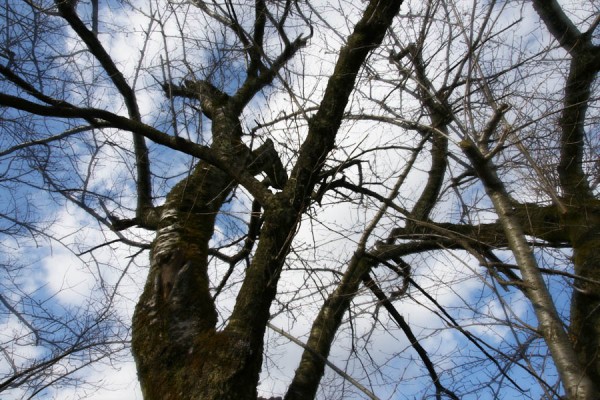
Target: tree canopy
point(300, 198)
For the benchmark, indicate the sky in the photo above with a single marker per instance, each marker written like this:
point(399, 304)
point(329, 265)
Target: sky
point(74, 270)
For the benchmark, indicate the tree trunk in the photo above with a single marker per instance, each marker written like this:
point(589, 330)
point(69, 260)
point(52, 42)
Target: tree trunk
point(179, 353)
point(581, 220)
point(574, 378)
point(176, 314)
point(584, 229)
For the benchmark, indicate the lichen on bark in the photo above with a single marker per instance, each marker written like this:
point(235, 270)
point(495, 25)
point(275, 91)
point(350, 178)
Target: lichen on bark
point(176, 305)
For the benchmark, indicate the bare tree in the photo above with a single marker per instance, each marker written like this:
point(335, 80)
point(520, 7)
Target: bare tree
point(415, 173)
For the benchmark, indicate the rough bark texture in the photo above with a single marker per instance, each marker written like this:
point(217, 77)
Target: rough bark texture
point(581, 218)
point(175, 317)
point(585, 306)
point(179, 353)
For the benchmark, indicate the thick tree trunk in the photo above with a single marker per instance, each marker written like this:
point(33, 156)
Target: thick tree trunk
point(175, 316)
point(582, 217)
point(584, 229)
point(178, 352)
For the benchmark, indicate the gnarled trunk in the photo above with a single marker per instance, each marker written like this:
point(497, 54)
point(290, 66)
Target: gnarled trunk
point(176, 316)
point(179, 353)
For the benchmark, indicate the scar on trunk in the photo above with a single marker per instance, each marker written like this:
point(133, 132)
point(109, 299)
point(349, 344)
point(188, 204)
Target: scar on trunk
point(170, 265)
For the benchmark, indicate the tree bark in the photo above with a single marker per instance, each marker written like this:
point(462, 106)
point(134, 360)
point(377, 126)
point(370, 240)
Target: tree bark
point(175, 317)
point(179, 353)
point(576, 381)
point(582, 217)
point(585, 303)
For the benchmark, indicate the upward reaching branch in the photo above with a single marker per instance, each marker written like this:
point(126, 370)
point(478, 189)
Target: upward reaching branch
point(585, 64)
point(291, 176)
point(582, 215)
point(67, 9)
point(573, 375)
point(557, 22)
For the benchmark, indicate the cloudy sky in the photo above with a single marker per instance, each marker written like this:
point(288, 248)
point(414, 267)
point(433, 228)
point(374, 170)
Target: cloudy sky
point(73, 272)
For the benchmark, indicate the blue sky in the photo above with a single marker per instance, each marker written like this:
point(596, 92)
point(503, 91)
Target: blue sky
point(94, 292)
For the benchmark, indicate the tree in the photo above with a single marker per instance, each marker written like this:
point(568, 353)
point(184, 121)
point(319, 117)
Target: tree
point(294, 163)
